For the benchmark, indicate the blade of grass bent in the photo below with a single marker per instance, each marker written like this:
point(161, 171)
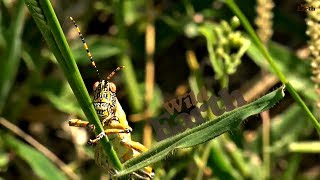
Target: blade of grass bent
point(256, 40)
point(46, 20)
point(204, 132)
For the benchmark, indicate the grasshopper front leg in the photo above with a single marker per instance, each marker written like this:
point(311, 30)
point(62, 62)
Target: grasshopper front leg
point(107, 132)
point(113, 125)
point(81, 123)
point(113, 128)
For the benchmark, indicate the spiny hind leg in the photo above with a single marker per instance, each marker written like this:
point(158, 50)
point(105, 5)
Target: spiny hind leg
point(146, 172)
point(81, 123)
point(137, 175)
point(115, 124)
point(136, 150)
point(134, 145)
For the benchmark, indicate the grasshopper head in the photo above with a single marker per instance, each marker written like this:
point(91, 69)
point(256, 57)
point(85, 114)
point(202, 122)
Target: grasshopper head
point(104, 98)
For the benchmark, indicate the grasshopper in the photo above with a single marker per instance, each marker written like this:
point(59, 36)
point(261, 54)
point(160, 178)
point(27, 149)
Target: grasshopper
point(114, 122)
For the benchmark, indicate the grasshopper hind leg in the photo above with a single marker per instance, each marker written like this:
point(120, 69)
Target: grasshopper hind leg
point(134, 174)
point(146, 173)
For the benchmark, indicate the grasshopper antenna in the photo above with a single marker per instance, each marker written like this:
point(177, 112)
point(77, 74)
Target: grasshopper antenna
point(86, 47)
point(114, 72)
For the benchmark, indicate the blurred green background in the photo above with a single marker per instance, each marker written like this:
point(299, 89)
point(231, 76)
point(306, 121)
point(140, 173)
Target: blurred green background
point(168, 49)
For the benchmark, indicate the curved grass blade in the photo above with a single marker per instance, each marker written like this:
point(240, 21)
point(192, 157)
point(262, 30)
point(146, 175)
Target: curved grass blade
point(46, 20)
point(206, 131)
point(39, 163)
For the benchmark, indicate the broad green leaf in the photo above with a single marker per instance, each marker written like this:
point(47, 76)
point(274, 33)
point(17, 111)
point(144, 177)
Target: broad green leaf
point(39, 163)
point(204, 132)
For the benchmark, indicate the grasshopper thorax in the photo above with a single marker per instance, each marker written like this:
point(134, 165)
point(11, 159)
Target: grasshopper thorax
point(104, 99)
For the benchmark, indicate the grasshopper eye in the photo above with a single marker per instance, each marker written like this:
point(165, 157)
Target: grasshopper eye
point(113, 87)
point(95, 85)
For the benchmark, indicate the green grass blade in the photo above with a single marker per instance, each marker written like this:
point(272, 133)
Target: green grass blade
point(39, 163)
point(46, 20)
point(10, 57)
point(281, 76)
point(293, 167)
point(220, 161)
point(204, 132)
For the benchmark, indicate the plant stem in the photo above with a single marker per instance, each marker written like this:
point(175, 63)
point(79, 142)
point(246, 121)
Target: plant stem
point(266, 143)
point(204, 160)
point(150, 39)
point(305, 147)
